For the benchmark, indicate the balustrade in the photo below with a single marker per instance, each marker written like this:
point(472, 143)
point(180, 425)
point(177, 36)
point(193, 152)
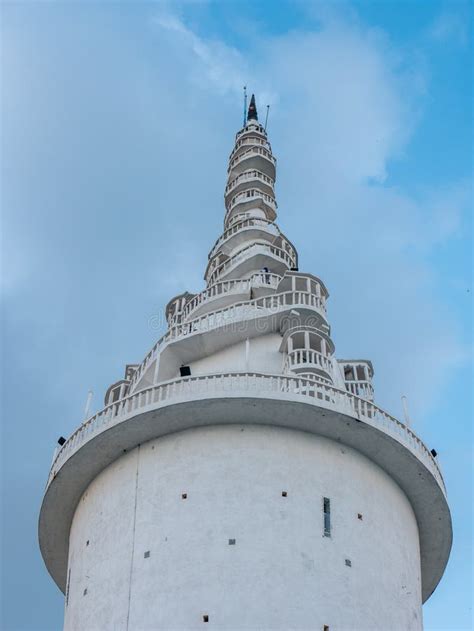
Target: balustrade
point(306, 357)
point(253, 140)
point(251, 222)
point(250, 196)
point(243, 384)
point(362, 389)
point(249, 176)
point(253, 151)
point(287, 256)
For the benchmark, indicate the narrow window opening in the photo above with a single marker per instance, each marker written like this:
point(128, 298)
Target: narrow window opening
point(327, 516)
point(284, 494)
point(205, 618)
point(359, 516)
point(326, 627)
point(147, 554)
point(87, 542)
point(232, 542)
point(184, 496)
point(85, 592)
point(348, 563)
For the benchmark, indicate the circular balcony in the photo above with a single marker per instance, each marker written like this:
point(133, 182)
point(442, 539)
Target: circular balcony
point(244, 230)
point(250, 140)
point(247, 398)
point(251, 258)
point(249, 179)
point(249, 200)
point(363, 389)
point(217, 329)
point(224, 293)
point(251, 130)
point(307, 360)
point(255, 158)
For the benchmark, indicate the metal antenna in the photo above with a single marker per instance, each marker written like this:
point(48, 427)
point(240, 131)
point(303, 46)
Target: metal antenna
point(245, 103)
point(405, 411)
point(87, 409)
point(266, 117)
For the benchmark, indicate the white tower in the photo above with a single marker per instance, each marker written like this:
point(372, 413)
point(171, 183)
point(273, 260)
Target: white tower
point(240, 476)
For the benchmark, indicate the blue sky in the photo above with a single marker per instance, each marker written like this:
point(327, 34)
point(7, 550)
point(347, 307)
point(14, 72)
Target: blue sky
point(117, 120)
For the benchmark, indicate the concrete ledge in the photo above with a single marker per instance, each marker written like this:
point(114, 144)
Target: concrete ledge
point(284, 409)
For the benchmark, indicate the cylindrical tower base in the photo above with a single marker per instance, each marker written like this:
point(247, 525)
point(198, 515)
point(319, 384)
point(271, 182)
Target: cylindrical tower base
point(225, 527)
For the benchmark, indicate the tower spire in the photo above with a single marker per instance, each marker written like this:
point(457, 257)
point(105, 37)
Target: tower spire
point(252, 113)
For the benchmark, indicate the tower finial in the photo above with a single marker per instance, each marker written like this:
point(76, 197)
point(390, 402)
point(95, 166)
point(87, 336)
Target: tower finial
point(252, 113)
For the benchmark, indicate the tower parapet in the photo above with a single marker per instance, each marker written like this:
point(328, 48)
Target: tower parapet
point(241, 461)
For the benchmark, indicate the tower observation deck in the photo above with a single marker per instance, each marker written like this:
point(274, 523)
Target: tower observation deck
point(241, 476)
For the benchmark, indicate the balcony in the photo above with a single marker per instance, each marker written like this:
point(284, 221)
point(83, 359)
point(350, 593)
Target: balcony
point(248, 200)
point(216, 296)
point(243, 230)
point(308, 360)
point(363, 389)
point(294, 403)
point(247, 178)
point(230, 325)
point(252, 140)
point(256, 158)
point(252, 258)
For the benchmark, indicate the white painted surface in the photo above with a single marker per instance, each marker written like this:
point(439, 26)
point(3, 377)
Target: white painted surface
point(282, 573)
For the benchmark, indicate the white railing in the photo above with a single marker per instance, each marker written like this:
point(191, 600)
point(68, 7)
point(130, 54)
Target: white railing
point(244, 385)
point(246, 131)
point(266, 305)
point(237, 312)
point(288, 257)
point(311, 376)
point(247, 176)
point(243, 224)
point(249, 141)
point(226, 287)
point(307, 357)
point(362, 389)
point(245, 197)
point(252, 152)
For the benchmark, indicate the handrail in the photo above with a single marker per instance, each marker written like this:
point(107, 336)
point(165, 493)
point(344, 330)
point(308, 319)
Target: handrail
point(307, 357)
point(249, 222)
point(226, 286)
point(242, 255)
point(242, 384)
point(259, 151)
point(249, 141)
point(253, 174)
point(241, 310)
point(242, 198)
point(362, 388)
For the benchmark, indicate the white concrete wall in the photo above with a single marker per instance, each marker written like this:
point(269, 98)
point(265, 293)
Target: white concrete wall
point(263, 356)
point(282, 573)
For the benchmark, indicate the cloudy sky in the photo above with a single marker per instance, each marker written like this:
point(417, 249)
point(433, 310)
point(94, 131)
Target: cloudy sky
point(117, 121)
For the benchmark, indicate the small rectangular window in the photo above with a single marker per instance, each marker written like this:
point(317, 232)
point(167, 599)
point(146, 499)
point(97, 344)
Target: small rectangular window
point(327, 516)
